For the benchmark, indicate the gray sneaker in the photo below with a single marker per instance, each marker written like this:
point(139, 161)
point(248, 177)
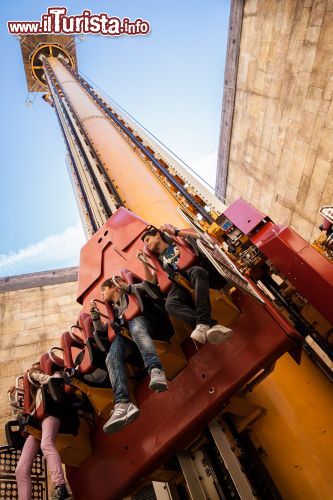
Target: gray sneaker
point(158, 381)
point(123, 414)
point(218, 334)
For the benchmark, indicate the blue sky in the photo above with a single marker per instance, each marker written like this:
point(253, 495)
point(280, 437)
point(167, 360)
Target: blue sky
point(171, 81)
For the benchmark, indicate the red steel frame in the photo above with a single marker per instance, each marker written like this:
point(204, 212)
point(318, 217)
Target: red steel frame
point(170, 421)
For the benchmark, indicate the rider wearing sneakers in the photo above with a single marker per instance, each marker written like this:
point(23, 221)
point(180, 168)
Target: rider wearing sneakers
point(115, 293)
point(179, 303)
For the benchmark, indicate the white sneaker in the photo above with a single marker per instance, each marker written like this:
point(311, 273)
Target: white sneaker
point(218, 334)
point(199, 333)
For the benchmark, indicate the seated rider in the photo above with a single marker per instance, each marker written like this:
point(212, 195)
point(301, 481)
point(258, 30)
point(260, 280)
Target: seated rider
point(140, 328)
point(179, 302)
point(50, 427)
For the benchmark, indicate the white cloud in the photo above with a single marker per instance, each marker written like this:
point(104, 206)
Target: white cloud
point(59, 250)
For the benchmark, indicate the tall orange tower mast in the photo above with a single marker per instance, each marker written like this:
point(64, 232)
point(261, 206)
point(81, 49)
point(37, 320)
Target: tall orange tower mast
point(110, 156)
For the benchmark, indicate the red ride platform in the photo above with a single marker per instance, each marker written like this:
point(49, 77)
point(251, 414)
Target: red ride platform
point(170, 421)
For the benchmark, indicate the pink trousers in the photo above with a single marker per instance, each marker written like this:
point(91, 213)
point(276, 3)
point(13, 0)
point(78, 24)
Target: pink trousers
point(50, 427)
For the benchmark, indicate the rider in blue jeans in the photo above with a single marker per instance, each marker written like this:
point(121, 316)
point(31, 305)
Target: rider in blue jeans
point(139, 327)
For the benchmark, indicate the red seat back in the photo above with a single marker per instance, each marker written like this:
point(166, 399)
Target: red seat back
point(29, 405)
point(86, 324)
point(187, 258)
point(130, 277)
point(48, 366)
point(27, 394)
point(72, 345)
point(133, 308)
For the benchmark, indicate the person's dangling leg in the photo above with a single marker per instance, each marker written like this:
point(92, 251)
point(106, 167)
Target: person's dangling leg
point(206, 328)
point(199, 280)
point(140, 328)
point(115, 364)
point(124, 411)
point(50, 428)
point(24, 466)
point(179, 304)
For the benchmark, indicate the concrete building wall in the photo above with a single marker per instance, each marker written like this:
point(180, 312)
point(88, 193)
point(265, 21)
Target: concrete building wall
point(281, 146)
point(35, 309)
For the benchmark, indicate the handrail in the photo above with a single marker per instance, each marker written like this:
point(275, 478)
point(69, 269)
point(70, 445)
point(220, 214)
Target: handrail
point(32, 382)
point(50, 353)
point(15, 404)
point(73, 336)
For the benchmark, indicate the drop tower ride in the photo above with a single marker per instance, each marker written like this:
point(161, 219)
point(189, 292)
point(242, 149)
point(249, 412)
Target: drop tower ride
point(113, 162)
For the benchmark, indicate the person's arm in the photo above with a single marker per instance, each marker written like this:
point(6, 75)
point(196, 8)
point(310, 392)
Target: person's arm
point(99, 326)
point(149, 275)
point(121, 284)
point(172, 230)
point(40, 377)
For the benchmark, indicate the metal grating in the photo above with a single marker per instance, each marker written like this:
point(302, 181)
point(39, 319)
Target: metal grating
point(145, 493)
point(9, 458)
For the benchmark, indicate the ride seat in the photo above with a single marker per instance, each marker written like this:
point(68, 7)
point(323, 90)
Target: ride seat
point(85, 356)
point(38, 412)
point(81, 351)
point(72, 346)
point(50, 364)
point(187, 258)
point(86, 325)
point(92, 358)
point(72, 441)
point(134, 308)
